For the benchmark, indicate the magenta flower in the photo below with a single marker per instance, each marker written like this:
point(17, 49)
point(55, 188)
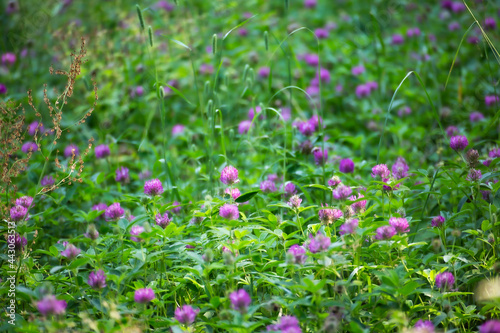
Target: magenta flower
point(358, 70)
point(49, 305)
point(287, 324)
point(319, 243)
point(372, 85)
point(165, 5)
point(35, 127)
point(229, 175)
point(320, 156)
point(476, 116)
point(144, 295)
point(445, 280)
point(490, 23)
point(29, 147)
point(8, 58)
point(70, 252)
point(474, 175)
point(229, 212)
point(413, 32)
point(424, 326)
point(99, 206)
point(490, 326)
point(297, 254)
point(321, 33)
point(176, 210)
point(97, 280)
point(334, 181)
point(307, 128)
point(114, 212)
point(346, 165)
point(324, 76)
point(397, 39)
point(264, 72)
point(311, 59)
point(328, 215)
point(252, 112)
point(310, 3)
point(380, 170)
point(451, 131)
point(490, 100)
point(400, 224)
point(404, 111)
point(178, 129)
point(244, 126)
point(359, 206)
point(19, 242)
point(18, 213)
point(71, 150)
point(234, 193)
point(362, 90)
point(437, 221)
point(122, 175)
point(153, 187)
point(240, 300)
point(136, 230)
point(268, 186)
point(290, 189)
point(206, 69)
point(385, 232)
point(162, 220)
point(186, 314)
point(102, 151)
point(400, 168)
point(92, 232)
point(494, 153)
point(342, 192)
point(47, 181)
point(295, 201)
point(453, 26)
point(24, 201)
point(3, 89)
point(349, 227)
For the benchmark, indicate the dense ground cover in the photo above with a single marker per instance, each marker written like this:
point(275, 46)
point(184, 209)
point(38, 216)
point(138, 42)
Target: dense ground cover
point(258, 166)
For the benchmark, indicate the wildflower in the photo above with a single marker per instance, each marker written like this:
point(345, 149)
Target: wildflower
point(445, 280)
point(3, 89)
point(92, 232)
point(474, 175)
point(47, 181)
point(457, 7)
point(19, 242)
point(264, 72)
point(320, 156)
point(494, 153)
point(229, 212)
point(363, 90)
point(268, 186)
point(349, 227)
point(35, 127)
point(178, 129)
point(400, 168)
point(324, 76)
point(451, 131)
point(102, 151)
point(311, 59)
point(8, 58)
point(114, 212)
point(297, 254)
point(307, 128)
point(321, 33)
point(424, 326)
point(476, 116)
point(122, 175)
point(229, 175)
point(99, 206)
point(290, 189)
point(144, 295)
point(153, 187)
point(70, 252)
point(206, 69)
point(318, 243)
point(490, 100)
point(380, 170)
point(145, 174)
point(472, 157)
point(244, 126)
point(372, 85)
point(453, 26)
point(287, 324)
point(50, 305)
point(71, 150)
point(359, 206)
point(18, 213)
point(342, 192)
point(29, 147)
point(136, 230)
point(240, 300)
point(186, 314)
point(346, 165)
point(397, 39)
point(234, 193)
point(310, 3)
point(97, 280)
point(437, 221)
point(358, 70)
point(295, 201)
point(24, 201)
point(176, 210)
point(400, 224)
point(490, 23)
point(162, 220)
point(412, 32)
point(253, 111)
point(328, 215)
point(334, 181)
point(385, 232)
point(490, 326)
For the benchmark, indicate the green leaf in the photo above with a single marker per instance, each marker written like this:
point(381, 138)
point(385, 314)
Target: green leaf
point(246, 196)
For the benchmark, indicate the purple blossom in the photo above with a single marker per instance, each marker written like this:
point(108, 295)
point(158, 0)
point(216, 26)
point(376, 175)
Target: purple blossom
point(359, 206)
point(474, 175)
point(99, 206)
point(71, 150)
point(165, 5)
point(380, 170)
point(342, 192)
point(18, 213)
point(311, 59)
point(234, 193)
point(102, 151)
point(206, 69)
point(29, 147)
point(114, 212)
point(457, 7)
point(70, 252)
point(362, 90)
point(24, 201)
point(3, 89)
point(451, 131)
point(324, 75)
point(136, 230)
point(19, 242)
point(349, 227)
point(287, 324)
point(424, 326)
point(229, 212)
point(494, 153)
point(490, 100)
point(307, 128)
point(346, 165)
point(297, 254)
point(490, 326)
point(178, 129)
point(92, 232)
point(253, 111)
point(8, 58)
point(358, 70)
point(229, 175)
point(310, 3)
point(49, 305)
point(385, 232)
point(264, 72)
point(35, 127)
point(162, 220)
point(413, 32)
point(490, 23)
point(334, 181)
point(458, 142)
point(47, 181)
point(397, 39)
point(240, 300)
point(321, 33)
point(400, 168)
point(122, 175)
point(437, 221)
point(445, 280)
point(186, 314)
point(268, 186)
point(290, 189)
point(176, 210)
point(318, 243)
point(320, 156)
point(244, 126)
point(153, 187)
point(453, 26)
point(404, 111)
point(476, 116)
point(97, 280)
point(329, 215)
point(144, 295)
point(295, 201)
point(400, 224)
